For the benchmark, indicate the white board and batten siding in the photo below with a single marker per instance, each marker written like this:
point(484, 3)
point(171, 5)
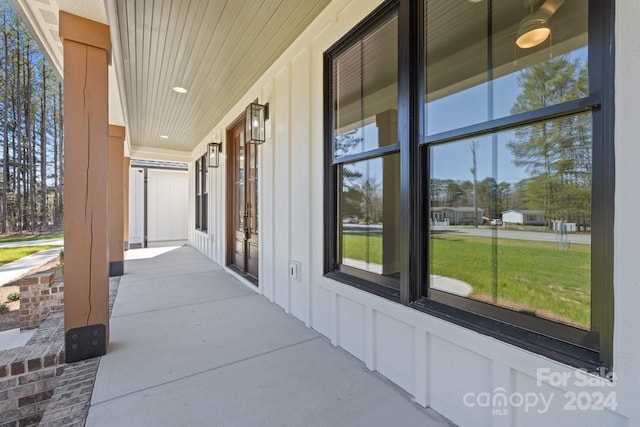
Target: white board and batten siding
point(435, 361)
point(167, 207)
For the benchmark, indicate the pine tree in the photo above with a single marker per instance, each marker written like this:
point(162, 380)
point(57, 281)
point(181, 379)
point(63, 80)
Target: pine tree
point(557, 153)
point(31, 123)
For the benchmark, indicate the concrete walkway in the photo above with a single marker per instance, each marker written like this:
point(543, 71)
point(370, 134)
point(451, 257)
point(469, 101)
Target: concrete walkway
point(15, 270)
point(25, 243)
point(192, 346)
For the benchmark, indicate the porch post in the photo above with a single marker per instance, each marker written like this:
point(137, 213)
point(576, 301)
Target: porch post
point(86, 47)
point(126, 167)
point(116, 201)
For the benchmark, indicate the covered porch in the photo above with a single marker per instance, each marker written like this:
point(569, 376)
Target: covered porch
point(309, 339)
point(190, 344)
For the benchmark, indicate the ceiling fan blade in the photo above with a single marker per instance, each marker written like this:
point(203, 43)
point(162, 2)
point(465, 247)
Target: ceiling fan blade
point(549, 8)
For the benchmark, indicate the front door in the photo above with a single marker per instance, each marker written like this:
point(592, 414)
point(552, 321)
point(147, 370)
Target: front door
point(242, 198)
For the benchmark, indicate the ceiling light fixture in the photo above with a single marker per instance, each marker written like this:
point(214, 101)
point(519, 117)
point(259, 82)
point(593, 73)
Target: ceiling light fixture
point(180, 89)
point(532, 32)
point(164, 136)
point(534, 28)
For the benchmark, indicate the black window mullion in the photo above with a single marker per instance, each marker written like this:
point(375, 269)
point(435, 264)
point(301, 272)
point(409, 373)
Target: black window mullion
point(370, 154)
point(409, 108)
point(601, 79)
point(330, 172)
point(517, 120)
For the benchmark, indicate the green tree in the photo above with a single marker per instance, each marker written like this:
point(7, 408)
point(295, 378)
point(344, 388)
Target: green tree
point(31, 132)
point(352, 198)
point(557, 153)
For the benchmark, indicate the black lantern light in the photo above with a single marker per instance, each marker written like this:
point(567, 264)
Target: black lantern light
point(213, 154)
point(256, 116)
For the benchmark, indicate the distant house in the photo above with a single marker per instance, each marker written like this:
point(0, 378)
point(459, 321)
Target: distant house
point(455, 215)
point(523, 217)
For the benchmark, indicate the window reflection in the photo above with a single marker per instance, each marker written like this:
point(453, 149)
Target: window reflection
point(472, 78)
point(515, 229)
point(370, 213)
point(365, 89)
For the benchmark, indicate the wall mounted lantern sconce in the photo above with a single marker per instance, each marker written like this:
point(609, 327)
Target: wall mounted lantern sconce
point(213, 154)
point(256, 116)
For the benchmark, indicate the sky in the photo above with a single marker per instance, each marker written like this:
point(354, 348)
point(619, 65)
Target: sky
point(454, 160)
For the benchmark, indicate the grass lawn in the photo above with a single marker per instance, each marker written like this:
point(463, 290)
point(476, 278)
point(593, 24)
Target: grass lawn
point(536, 276)
point(31, 238)
point(8, 255)
point(362, 246)
point(531, 276)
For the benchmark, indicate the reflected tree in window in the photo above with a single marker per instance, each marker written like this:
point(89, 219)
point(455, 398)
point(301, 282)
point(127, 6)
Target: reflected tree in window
point(352, 193)
point(556, 154)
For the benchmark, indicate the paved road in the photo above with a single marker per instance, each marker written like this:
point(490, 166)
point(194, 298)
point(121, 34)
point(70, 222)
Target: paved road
point(584, 239)
point(23, 244)
point(578, 238)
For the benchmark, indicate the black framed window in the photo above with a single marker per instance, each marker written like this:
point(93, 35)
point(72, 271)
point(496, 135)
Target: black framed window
point(198, 193)
point(204, 169)
point(503, 195)
point(201, 193)
point(363, 154)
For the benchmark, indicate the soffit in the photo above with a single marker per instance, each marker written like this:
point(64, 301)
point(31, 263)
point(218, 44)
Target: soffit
point(215, 49)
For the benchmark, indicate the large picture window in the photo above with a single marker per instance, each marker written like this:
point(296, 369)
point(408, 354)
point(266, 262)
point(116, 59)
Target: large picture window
point(502, 188)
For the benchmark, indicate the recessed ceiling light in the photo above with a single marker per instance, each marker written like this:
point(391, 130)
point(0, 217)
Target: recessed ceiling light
point(179, 89)
point(164, 136)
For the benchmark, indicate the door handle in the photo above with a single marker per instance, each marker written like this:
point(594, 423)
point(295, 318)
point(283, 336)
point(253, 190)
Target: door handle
point(246, 233)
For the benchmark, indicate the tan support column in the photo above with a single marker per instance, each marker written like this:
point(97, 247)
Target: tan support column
point(116, 202)
point(126, 167)
point(86, 125)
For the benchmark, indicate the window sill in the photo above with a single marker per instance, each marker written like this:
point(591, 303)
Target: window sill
point(365, 285)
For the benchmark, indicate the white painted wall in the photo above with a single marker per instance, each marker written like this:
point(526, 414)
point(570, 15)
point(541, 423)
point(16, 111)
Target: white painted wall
point(136, 206)
point(626, 267)
point(434, 360)
point(167, 206)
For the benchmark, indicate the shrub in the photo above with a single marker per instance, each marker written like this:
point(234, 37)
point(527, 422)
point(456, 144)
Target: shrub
point(14, 296)
point(4, 308)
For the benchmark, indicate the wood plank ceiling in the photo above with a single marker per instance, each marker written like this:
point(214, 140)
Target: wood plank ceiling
point(216, 49)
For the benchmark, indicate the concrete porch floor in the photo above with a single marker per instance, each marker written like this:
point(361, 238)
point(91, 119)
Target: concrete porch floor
point(192, 346)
